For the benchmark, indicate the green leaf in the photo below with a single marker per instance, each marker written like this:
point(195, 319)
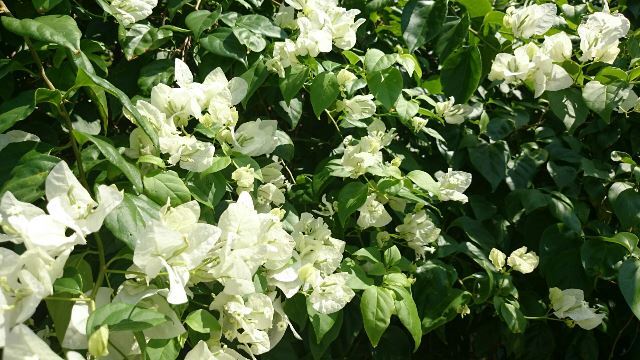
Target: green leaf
point(629, 283)
point(113, 156)
point(560, 261)
point(154, 73)
point(60, 312)
point(255, 77)
point(509, 311)
point(569, 107)
point(27, 178)
point(89, 79)
point(626, 239)
point(128, 220)
point(489, 160)
point(124, 317)
point(202, 321)
point(324, 91)
point(453, 36)
point(294, 78)
point(376, 306)
point(43, 6)
point(603, 99)
point(16, 109)
point(224, 43)
point(443, 308)
point(599, 258)
point(253, 41)
point(461, 73)
point(424, 181)
point(260, 25)
point(625, 201)
point(162, 185)
point(477, 8)
point(421, 21)
point(322, 323)
point(140, 38)
point(386, 85)
point(162, 349)
point(408, 315)
point(200, 20)
point(351, 197)
point(208, 189)
point(58, 29)
point(376, 60)
point(476, 232)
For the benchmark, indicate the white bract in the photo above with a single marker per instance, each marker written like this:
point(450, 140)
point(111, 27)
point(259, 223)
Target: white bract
point(600, 35)
point(178, 243)
point(497, 258)
point(522, 261)
point(71, 204)
point(558, 47)
point(569, 303)
point(532, 20)
point(451, 112)
point(532, 65)
point(452, 185)
point(357, 108)
point(419, 232)
point(255, 138)
point(373, 213)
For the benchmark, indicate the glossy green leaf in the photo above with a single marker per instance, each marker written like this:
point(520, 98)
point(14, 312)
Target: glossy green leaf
point(161, 186)
point(58, 29)
point(461, 73)
point(324, 91)
point(351, 197)
point(376, 306)
point(422, 20)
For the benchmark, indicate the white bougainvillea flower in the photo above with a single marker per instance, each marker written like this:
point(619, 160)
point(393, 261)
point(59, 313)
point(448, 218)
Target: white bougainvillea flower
point(453, 113)
point(71, 204)
point(285, 17)
point(510, 68)
point(255, 138)
point(419, 232)
point(127, 12)
point(373, 213)
point(15, 136)
point(284, 55)
point(558, 47)
point(497, 258)
point(26, 223)
point(569, 303)
point(23, 343)
point(312, 39)
point(532, 20)
point(343, 27)
point(600, 35)
point(452, 185)
point(357, 108)
point(178, 243)
point(202, 351)
point(244, 177)
point(331, 294)
point(522, 261)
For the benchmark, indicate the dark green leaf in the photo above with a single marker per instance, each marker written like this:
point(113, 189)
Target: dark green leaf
point(222, 42)
point(351, 197)
point(201, 20)
point(376, 306)
point(161, 186)
point(124, 317)
point(421, 21)
point(386, 85)
point(111, 153)
point(461, 73)
point(324, 91)
point(16, 109)
point(629, 283)
point(127, 221)
point(57, 29)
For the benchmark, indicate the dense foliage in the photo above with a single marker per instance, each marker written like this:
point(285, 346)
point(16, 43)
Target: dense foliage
point(319, 179)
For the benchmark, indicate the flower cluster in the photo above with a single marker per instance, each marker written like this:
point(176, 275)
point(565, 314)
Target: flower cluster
point(26, 278)
point(520, 260)
point(319, 24)
point(569, 303)
point(539, 65)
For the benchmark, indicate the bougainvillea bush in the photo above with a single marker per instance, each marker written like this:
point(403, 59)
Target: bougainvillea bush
point(319, 179)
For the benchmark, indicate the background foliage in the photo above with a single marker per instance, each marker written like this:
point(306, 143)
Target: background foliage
point(556, 174)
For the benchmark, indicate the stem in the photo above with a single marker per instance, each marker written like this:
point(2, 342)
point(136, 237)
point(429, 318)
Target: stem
point(101, 260)
point(334, 122)
point(615, 342)
point(542, 318)
point(126, 272)
point(57, 298)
